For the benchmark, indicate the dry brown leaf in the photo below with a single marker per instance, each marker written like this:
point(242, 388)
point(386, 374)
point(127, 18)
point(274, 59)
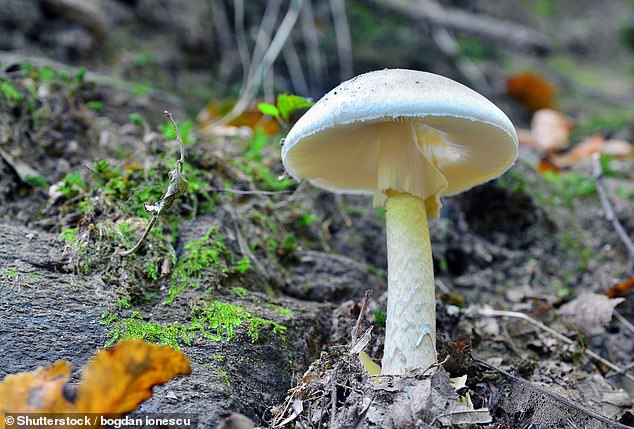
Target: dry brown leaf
point(251, 118)
point(115, 381)
point(531, 90)
point(618, 148)
point(119, 379)
point(35, 391)
point(589, 311)
point(585, 149)
point(551, 130)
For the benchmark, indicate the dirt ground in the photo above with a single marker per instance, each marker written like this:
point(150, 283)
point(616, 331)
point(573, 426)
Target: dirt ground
point(525, 243)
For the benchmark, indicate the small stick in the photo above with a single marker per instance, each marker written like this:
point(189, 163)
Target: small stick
point(364, 306)
point(177, 187)
point(551, 331)
point(597, 173)
point(567, 402)
point(333, 395)
point(618, 316)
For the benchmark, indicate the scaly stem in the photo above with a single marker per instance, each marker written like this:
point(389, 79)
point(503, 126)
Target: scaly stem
point(410, 335)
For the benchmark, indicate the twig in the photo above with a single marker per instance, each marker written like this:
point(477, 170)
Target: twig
point(311, 39)
point(244, 246)
point(624, 321)
point(479, 25)
point(241, 38)
point(295, 69)
point(271, 54)
point(364, 307)
point(223, 32)
point(177, 187)
point(333, 395)
point(515, 314)
point(622, 371)
point(342, 34)
point(597, 173)
point(557, 398)
point(253, 192)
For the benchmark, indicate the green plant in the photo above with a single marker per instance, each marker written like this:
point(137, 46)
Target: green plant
point(625, 193)
point(36, 181)
point(243, 265)
point(10, 92)
point(286, 105)
point(380, 317)
point(96, 105)
point(73, 185)
point(186, 129)
point(136, 118)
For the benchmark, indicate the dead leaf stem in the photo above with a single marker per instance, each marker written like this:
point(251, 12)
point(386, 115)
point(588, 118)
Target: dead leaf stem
point(177, 187)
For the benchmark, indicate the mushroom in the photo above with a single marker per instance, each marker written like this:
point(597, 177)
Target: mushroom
point(407, 137)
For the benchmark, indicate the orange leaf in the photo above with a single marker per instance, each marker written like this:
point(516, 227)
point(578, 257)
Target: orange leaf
point(583, 150)
point(531, 90)
point(620, 289)
point(119, 379)
point(546, 165)
point(115, 381)
point(35, 391)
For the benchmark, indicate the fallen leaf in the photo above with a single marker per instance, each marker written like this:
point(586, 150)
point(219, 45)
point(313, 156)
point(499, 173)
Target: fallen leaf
point(115, 381)
point(585, 149)
point(251, 118)
point(525, 137)
point(119, 379)
point(620, 289)
point(35, 391)
point(531, 90)
point(546, 165)
point(551, 130)
point(618, 148)
point(369, 365)
point(589, 311)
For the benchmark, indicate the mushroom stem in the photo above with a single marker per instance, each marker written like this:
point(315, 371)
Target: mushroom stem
point(410, 338)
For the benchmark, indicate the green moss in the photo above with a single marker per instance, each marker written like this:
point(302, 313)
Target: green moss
point(380, 317)
point(208, 253)
point(9, 92)
point(243, 265)
point(69, 235)
point(171, 334)
point(285, 312)
point(36, 181)
point(218, 320)
point(568, 186)
point(215, 321)
point(240, 292)
point(513, 181)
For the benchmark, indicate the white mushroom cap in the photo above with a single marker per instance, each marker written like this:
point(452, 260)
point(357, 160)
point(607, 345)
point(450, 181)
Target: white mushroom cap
point(405, 130)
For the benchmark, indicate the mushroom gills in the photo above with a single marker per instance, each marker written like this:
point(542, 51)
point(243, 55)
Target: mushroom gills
point(409, 155)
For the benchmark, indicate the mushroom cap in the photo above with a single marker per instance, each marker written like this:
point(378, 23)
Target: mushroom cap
point(331, 145)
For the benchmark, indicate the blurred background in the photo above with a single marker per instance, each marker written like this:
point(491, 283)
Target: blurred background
point(572, 55)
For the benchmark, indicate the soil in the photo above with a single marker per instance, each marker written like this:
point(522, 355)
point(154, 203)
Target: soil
point(526, 242)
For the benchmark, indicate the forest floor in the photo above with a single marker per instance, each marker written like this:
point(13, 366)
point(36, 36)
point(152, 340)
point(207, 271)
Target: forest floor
point(261, 281)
